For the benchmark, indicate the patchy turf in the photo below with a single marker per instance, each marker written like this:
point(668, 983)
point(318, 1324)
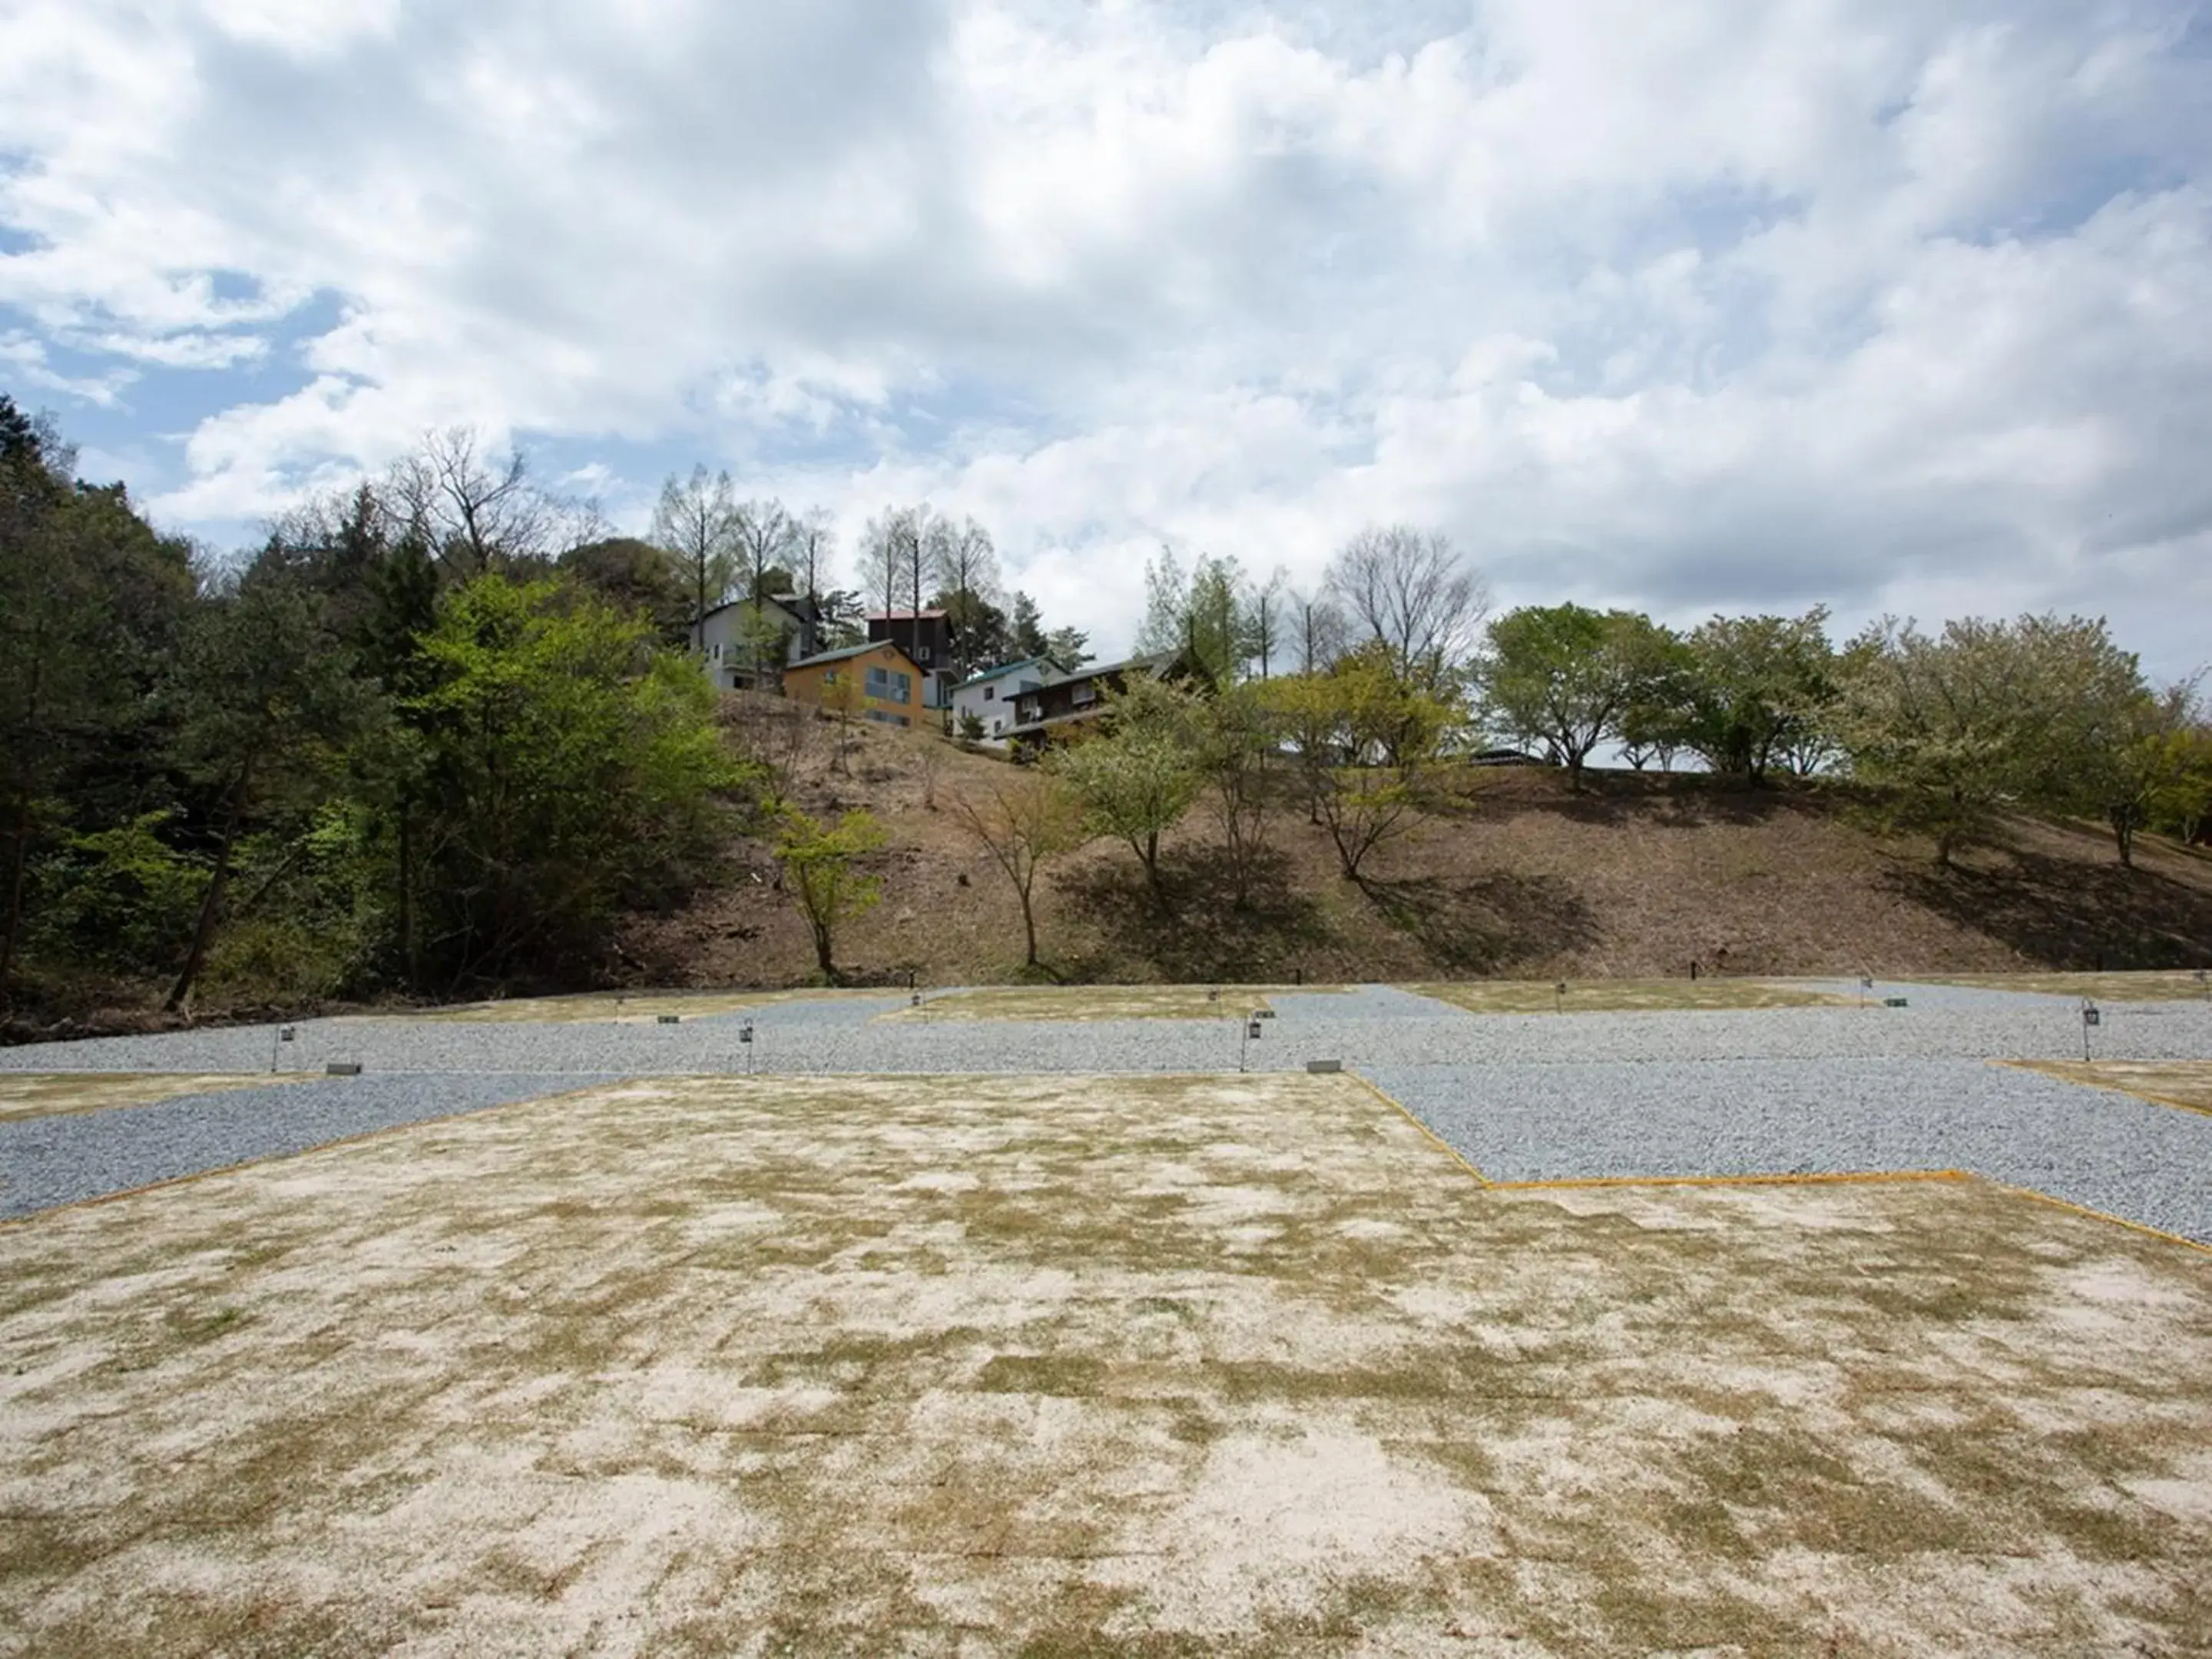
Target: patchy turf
point(2184, 1082)
point(1622, 996)
point(2167, 986)
point(1088, 1002)
point(52, 1094)
point(635, 1007)
point(1242, 1365)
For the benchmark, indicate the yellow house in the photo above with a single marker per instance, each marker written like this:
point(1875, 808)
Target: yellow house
point(877, 681)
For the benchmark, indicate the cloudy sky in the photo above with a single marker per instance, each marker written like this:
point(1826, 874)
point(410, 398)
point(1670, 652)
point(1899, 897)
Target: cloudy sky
point(1898, 305)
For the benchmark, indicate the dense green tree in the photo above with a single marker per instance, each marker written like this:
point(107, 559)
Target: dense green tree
point(266, 705)
point(1987, 715)
point(1758, 693)
point(635, 576)
point(91, 600)
point(1025, 628)
point(1563, 676)
point(1067, 648)
point(571, 768)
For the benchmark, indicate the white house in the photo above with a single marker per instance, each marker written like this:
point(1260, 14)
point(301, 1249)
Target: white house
point(990, 695)
point(745, 644)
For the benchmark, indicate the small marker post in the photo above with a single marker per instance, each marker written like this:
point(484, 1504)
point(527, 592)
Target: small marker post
point(2091, 1018)
point(284, 1034)
point(745, 1037)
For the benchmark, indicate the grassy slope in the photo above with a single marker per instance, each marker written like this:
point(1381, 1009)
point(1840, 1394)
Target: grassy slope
point(1520, 877)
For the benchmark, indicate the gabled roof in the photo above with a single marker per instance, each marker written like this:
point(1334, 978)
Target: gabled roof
point(850, 651)
point(1156, 666)
point(1051, 668)
point(790, 603)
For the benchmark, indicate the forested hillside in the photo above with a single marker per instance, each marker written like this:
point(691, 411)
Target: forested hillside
point(439, 735)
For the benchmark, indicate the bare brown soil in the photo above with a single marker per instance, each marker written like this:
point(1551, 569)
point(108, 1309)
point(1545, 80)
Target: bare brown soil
point(1513, 876)
point(1029, 1366)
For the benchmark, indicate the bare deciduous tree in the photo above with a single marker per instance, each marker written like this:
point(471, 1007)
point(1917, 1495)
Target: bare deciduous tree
point(1266, 606)
point(1022, 823)
point(697, 523)
point(761, 532)
point(964, 559)
point(814, 542)
point(1414, 592)
point(475, 513)
point(882, 556)
point(1318, 632)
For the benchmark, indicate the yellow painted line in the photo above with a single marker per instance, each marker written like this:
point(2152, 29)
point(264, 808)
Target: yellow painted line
point(2100, 1215)
point(2109, 1088)
point(1848, 1178)
point(1398, 1106)
point(278, 1157)
point(1855, 1177)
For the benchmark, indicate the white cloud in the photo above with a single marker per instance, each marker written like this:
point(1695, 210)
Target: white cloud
point(1900, 303)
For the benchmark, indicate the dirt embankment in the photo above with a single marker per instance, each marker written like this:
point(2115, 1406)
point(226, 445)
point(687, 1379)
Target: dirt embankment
point(1513, 874)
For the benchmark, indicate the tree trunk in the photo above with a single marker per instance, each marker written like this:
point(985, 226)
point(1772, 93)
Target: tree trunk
point(822, 953)
point(1029, 927)
point(18, 862)
point(203, 932)
point(2123, 834)
point(409, 953)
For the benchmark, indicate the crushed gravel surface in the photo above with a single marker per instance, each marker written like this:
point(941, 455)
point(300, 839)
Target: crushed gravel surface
point(48, 1161)
point(1524, 1096)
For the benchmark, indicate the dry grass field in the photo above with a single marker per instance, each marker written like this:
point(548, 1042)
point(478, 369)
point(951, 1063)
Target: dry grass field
point(1068, 1366)
point(2171, 986)
point(2184, 1082)
point(1618, 995)
point(622, 1007)
point(1086, 1002)
point(50, 1094)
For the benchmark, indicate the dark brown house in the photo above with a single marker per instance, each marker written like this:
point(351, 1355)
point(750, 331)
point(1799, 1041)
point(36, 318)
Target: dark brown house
point(1065, 703)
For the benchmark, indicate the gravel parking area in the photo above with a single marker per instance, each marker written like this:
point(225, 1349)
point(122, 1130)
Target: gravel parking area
point(2128, 1157)
point(1373, 1027)
point(1531, 1097)
point(50, 1161)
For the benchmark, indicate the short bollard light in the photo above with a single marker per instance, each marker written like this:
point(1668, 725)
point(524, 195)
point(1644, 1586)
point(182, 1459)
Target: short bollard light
point(915, 1001)
point(284, 1034)
point(1559, 991)
point(2092, 1017)
point(745, 1036)
point(1252, 1030)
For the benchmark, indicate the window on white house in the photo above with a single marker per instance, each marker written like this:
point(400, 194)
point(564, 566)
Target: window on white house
point(989, 692)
